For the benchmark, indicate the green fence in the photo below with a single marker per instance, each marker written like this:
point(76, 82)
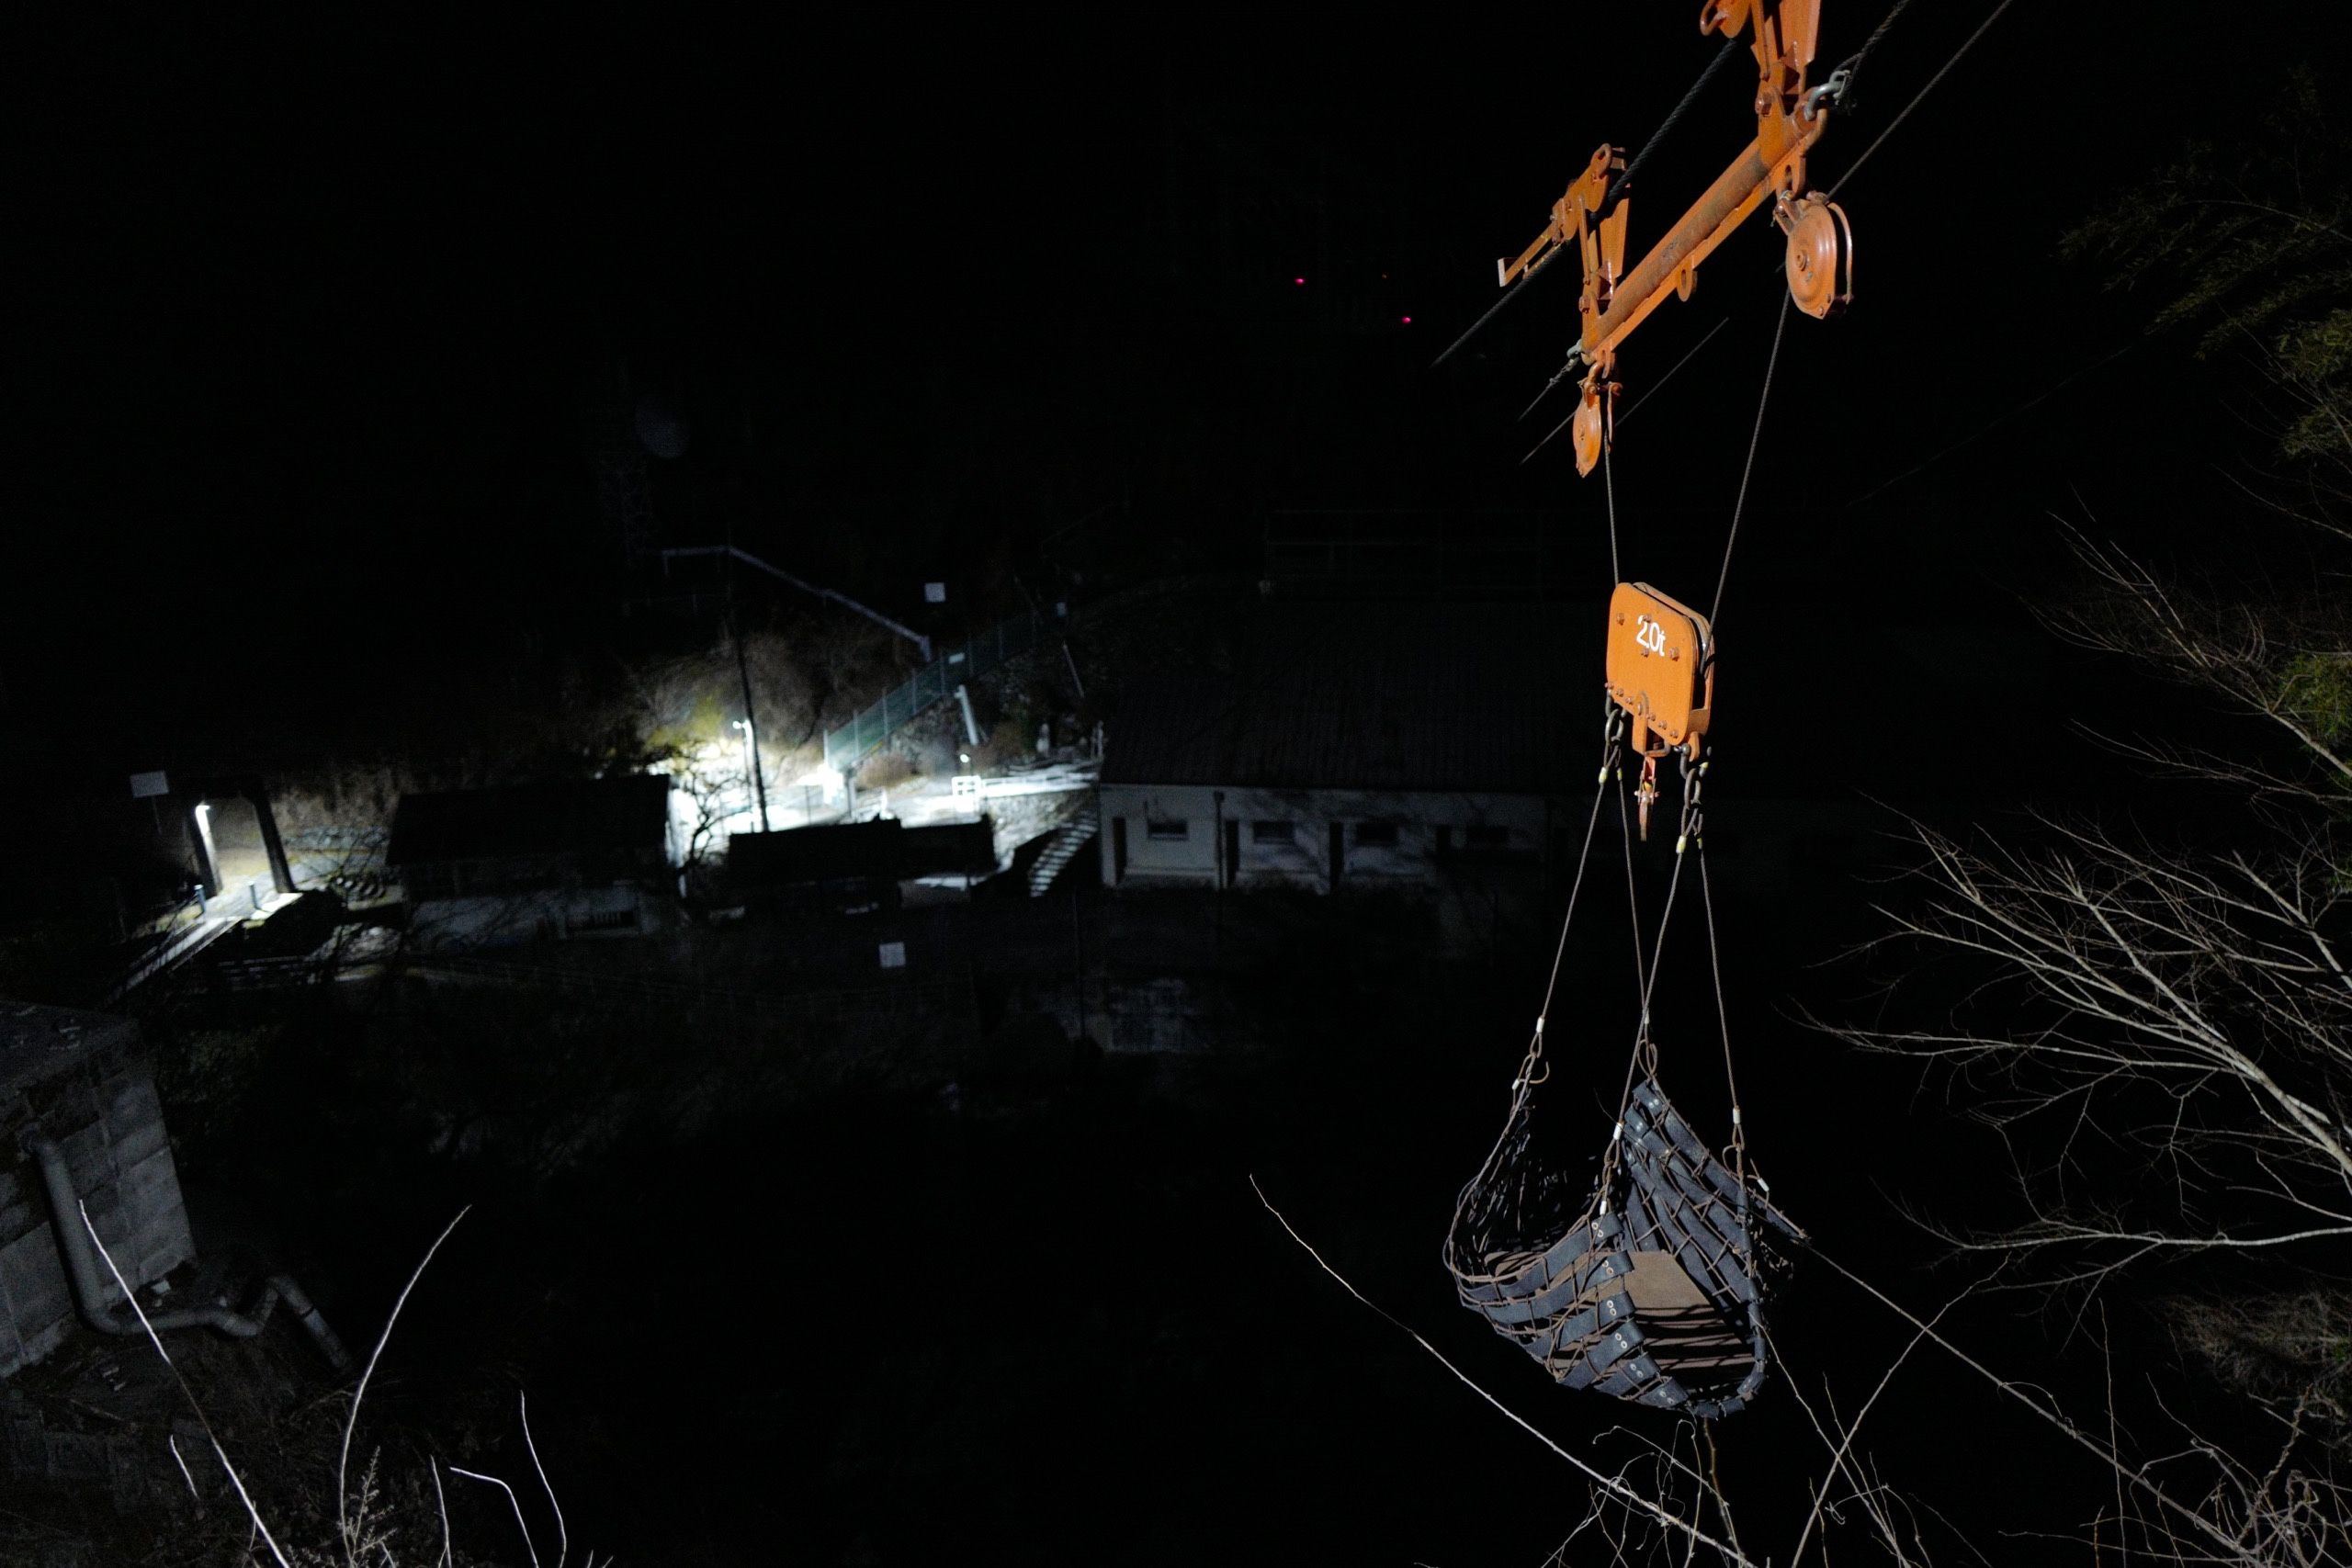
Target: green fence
point(935, 683)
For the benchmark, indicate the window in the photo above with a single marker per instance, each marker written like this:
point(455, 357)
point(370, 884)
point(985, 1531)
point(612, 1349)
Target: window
point(1376, 835)
point(1273, 832)
point(1480, 836)
point(1177, 829)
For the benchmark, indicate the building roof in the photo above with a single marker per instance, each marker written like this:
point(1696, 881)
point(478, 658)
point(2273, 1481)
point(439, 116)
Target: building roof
point(884, 848)
point(628, 815)
point(1490, 697)
point(37, 1043)
point(828, 854)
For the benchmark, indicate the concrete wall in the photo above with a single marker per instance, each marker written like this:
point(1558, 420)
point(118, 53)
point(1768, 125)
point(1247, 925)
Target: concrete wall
point(134, 1469)
point(100, 1106)
point(1284, 837)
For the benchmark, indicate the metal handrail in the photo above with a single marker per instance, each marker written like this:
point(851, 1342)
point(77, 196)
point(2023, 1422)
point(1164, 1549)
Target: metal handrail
point(759, 1004)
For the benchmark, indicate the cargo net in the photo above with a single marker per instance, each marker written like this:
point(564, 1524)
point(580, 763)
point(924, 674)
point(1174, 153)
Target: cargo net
point(1652, 1292)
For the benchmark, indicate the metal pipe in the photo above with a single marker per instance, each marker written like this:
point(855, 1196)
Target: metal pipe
point(89, 1284)
point(82, 1266)
point(282, 1288)
point(750, 718)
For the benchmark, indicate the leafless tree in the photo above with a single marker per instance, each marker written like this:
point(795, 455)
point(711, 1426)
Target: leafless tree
point(2193, 1016)
point(2283, 658)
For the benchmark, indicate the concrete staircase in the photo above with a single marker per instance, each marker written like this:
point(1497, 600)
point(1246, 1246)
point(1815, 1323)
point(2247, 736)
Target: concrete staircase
point(1070, 840)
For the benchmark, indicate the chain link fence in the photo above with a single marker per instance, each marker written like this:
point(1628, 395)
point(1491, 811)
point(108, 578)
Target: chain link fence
point(935, 683)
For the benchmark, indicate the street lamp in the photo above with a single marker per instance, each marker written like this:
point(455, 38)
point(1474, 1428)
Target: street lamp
point(751, 766)
point(208, 879)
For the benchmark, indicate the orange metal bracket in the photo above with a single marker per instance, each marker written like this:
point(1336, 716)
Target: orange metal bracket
point(1661, 670)
point(1789, 119)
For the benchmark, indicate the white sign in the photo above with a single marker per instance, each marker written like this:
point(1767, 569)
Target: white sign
point(934, 594)
point(1650, 633)
point(144, 784)
point(894, 955)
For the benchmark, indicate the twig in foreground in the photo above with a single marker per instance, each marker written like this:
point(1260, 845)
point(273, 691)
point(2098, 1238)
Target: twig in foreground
point(512, 1500)
point(1616, 1485)
point(562, 1537)
point(157, 1340)
point(2226, 1548)
point(351, 1420)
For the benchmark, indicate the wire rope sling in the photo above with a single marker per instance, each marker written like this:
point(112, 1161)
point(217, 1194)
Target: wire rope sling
point(1649, 1283)
point(1649, 1286)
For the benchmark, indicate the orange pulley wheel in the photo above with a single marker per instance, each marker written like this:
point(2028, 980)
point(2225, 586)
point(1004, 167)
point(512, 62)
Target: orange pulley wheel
point(1820, 256)
point(1590, 427)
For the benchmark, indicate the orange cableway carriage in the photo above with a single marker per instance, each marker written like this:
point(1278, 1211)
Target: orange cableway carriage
point(1661, 672)
point(1791, 115)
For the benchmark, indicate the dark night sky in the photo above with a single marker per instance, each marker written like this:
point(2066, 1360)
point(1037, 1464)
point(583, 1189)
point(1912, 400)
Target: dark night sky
point(310, 314)
point(309, 319)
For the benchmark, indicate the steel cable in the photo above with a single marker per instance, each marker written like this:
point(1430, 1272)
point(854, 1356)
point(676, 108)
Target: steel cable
point(1608, 488)
point(1731, 47)
point(1723, 1017)
point(1856, 166)
point(1730, 50)
point(1746, 472)
point(1617, 422)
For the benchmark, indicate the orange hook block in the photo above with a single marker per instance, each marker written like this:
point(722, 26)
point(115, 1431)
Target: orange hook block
point(1661, 669)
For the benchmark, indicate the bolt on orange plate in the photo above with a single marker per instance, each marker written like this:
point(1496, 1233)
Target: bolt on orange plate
point(1660, 667)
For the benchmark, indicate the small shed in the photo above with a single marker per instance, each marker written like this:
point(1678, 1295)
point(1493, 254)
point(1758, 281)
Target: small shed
point(851, 863)
point(527, 862)
point(82, 1080)
point(572, 832)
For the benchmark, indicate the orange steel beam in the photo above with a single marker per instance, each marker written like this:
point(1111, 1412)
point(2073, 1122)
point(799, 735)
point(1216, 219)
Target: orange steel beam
point(1789, 120)
point(1672, 264)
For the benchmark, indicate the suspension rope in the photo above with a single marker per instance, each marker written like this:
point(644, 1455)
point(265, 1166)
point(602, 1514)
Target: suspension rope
point(1657, 945)
point(1608, 754)
point(1644, 1048)
point(1524, 1085)
point(1658, 386)
point(1618, 421)
point(1496, 308)
point(1732, 50)
point(1609, 487)
point(1852, 67)
point(1746, 472)
point(1731, 47)
point(1722, 1019)
point(1856, 166)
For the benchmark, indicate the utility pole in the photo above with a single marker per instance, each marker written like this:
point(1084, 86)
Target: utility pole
point(751, 719)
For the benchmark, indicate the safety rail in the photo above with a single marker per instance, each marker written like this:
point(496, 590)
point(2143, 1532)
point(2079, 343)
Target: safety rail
point(168, 951)
point(270, 973)
point(935, 683)
point(956, 992)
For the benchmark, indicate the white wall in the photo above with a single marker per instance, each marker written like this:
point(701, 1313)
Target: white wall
point(1305, 861)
